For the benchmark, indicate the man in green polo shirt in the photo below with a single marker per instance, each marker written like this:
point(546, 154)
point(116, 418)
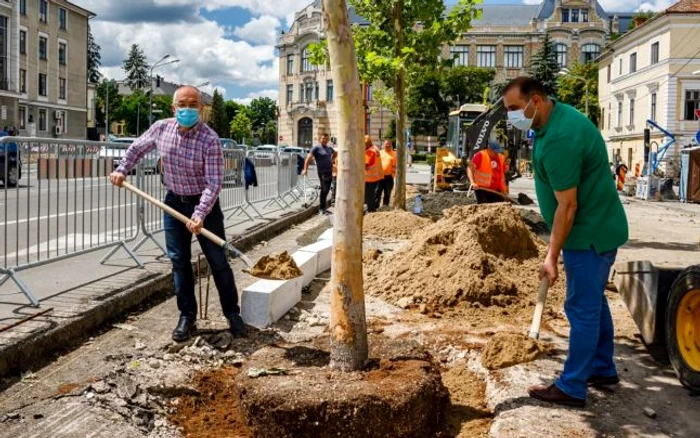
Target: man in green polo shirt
point(579, 202)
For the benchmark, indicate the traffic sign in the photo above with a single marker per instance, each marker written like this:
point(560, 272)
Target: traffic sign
point(697, 136)
point(697, 113)
point(281, 138)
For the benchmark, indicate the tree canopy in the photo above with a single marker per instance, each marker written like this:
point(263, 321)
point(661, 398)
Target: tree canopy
point(544, 66)
point(136, 68)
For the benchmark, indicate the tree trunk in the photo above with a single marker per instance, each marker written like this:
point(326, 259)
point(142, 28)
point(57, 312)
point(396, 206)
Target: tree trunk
point(348, 326)
point(400, 186)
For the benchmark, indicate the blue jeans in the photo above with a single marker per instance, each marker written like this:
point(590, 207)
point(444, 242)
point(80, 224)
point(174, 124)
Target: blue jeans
point(178, 241)
point(591, 342)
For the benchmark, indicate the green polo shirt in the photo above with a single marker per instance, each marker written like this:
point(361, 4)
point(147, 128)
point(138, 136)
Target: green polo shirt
point(570, 152)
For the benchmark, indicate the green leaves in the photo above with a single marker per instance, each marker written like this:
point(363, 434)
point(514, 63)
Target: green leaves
point(544, 66)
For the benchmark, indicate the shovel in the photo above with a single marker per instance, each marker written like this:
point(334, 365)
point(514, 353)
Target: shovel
point(539, 309)
point(185, 220)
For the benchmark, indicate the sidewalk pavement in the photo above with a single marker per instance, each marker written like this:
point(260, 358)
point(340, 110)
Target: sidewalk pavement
point(84, 294)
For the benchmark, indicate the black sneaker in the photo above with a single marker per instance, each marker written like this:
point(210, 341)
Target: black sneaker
point(236, 325)
point(186, 327)
point(603, 381)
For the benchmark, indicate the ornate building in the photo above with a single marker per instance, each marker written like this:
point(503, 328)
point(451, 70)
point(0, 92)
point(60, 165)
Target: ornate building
point(504, 38)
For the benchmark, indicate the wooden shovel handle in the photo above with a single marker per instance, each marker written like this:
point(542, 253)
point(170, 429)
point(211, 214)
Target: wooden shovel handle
point(539, 309)
point(174, 213)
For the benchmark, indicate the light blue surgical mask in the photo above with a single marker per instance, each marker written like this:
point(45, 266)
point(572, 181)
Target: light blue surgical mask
point(187, 117)
point(519, 121)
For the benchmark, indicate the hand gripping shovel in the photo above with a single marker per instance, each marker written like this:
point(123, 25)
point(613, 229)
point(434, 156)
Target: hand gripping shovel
point(539, 309)
point(184, 219)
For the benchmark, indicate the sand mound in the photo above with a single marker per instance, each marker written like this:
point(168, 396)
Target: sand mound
point(508, 349)
point(276, 267)
point(481, 260)
point(396, 224)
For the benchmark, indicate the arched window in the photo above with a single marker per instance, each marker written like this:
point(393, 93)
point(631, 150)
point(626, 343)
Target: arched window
point(589, 52)
point(306, 60)
point(560, 49)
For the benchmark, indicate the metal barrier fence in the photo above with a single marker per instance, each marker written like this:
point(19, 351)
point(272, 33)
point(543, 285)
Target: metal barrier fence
point(57, 201)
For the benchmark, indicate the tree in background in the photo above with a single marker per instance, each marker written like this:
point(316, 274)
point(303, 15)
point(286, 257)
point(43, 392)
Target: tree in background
point(462, 84)
point(544, 66)
point(94, 59)
point(136, 68)
point(218, 120)
point(162, 107)
point(232, 109)
point(133, 110)
point(262, 111)
point(573, 90)
point(241, 127)
point(115, 100)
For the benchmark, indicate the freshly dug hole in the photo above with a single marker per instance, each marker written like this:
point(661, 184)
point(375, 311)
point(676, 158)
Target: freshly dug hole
point(507, 349)
point(276, 267)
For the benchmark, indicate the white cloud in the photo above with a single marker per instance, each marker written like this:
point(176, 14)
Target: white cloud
point(262, 30)
point(205, 54)
point(271, 93)
point(532, 2)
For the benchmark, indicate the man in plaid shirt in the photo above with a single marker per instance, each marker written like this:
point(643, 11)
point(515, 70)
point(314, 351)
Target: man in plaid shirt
point(194, 170)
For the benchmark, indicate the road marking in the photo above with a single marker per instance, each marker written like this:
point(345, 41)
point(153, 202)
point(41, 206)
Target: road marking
point(70, 213)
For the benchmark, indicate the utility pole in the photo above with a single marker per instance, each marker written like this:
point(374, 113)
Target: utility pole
point(150, 78)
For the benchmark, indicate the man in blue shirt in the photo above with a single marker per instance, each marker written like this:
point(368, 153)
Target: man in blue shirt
point(323, 154)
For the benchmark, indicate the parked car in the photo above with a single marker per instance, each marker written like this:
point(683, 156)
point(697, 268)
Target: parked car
point(294, 150)
point(10, 164)
point(267, 151)
point(150, 163)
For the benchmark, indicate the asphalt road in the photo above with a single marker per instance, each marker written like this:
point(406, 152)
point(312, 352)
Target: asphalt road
point(45, 218)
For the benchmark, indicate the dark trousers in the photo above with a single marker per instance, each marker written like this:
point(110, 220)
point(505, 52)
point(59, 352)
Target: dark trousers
point(371, 195)
point(484, 197)
point(334, 186)
point(326, 179)
point(178, 241)
point(384, 188)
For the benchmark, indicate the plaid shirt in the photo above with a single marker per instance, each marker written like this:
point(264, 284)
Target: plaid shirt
point(193, 161)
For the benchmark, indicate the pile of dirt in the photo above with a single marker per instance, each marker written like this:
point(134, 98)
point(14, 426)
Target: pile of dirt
point(480, 261)
point(276, 267)
point(397, 224)
point(507, 349)
point(215, 411)
point(435, 203)
point(467, 414)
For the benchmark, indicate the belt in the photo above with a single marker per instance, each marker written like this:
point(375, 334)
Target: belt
point(186, 199)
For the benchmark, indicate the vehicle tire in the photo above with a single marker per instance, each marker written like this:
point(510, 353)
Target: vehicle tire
point(682, 327)
point(12, 176)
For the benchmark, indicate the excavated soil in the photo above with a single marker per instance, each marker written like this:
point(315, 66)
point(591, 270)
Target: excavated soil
point(467, 414)
point(396, 398)
point(507, 349)
point(479, 262)
point(215, 412)
point(396, 224)
point(276, 267)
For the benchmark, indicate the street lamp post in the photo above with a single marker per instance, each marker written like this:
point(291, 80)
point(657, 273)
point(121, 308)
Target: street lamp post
point(566, 72)
point(150, 78)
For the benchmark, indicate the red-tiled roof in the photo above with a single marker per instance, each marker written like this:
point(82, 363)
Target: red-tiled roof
point(685, 6)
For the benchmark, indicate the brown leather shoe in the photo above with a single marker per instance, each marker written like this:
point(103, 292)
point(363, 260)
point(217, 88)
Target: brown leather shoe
point(598, 381)
point(555, 395)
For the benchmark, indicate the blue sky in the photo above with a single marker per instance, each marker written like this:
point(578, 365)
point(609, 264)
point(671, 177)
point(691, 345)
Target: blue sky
point(228, 43)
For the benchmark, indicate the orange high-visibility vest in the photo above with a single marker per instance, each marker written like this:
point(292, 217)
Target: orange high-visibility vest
point(484, 173)
point(373, 166)
point(388, 162)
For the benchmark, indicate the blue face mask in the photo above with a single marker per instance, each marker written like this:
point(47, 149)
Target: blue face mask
point(187, 117)
point(519, 121)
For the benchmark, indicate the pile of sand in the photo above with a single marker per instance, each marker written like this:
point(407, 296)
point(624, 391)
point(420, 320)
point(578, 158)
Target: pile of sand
point(508, 349)
point(479, 260)
point(276, 267)
point(396, 224)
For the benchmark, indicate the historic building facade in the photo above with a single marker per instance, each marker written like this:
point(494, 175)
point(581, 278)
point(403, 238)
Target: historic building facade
point(504, 38)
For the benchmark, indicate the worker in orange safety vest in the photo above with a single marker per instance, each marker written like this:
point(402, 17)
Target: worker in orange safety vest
point(374, 173)
point(388, 157)
point(487, 174)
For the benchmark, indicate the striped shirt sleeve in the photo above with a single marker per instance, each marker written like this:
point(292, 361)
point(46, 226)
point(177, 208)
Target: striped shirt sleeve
point(138, 149)
point(214, 176)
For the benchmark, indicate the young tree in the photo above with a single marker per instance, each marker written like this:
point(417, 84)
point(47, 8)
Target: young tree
point(94, 59)
point(115, 100)
point(241, 129)
point(580, 88)
point(133, 110)
point(544, 66)
point(262, 111)
point(136, 68)
point(349, 350)
point(218, 120)
point(402, 36)
point(232, 109)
